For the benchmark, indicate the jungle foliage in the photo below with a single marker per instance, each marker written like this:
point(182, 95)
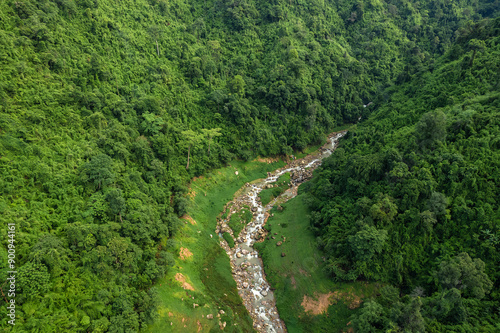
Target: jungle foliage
point(108, 108)
point(411, 198)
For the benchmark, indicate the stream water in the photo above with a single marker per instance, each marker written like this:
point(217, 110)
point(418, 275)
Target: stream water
point(247, 267)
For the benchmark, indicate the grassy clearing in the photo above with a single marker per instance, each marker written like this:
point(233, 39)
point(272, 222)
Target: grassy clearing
point(343, 128)
point(311, 149)
point(301, 273)
point(239, 220)
point(229, 239)
point(269, 194)
point(208, 270)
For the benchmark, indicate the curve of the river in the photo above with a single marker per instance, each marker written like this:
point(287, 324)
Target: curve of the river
point(247, 267)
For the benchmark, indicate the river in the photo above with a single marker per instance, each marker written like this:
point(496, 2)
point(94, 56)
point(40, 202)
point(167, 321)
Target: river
point(247, 267)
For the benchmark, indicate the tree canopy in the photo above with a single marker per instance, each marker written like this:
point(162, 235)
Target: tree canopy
point(109, 108)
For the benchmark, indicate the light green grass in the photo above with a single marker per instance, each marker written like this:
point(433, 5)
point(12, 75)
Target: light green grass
point(208, 270)
point(311, 149)
point(269, 194)
point(239, 220)
point(343, 128)
point(229, 239)
point(301, 272)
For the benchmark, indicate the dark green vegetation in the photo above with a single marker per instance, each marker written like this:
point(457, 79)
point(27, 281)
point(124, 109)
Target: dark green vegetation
point(411, 198)
point(229, 239)
point(301, 272)
point(267, 195)
point(108, 108)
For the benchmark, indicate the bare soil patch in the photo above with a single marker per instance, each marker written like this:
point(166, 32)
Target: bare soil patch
point(318, 306)
point(303, 272)
point(196, 178)
point(294, 284)
point(185, 253)
point(179, 277)
point(323, 301)
point(353, 301)
point(189, 219)
point(267, 160)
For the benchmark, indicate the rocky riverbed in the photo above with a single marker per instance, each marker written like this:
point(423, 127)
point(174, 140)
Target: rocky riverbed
point(246, 265)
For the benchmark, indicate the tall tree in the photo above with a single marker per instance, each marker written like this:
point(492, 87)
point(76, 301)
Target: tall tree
point(366, 242)
point(464, 273)
point(237, 85)
point(99, 170)
point(191, 138)
point(210, 134)
point(431, 129)
point(116, 202)
point(476, 45)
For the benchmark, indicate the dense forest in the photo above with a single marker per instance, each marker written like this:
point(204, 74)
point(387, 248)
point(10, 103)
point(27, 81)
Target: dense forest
point(411, 199)
point(109, 108)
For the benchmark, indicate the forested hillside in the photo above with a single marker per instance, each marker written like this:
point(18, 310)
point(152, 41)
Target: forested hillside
point(412, 197)
point(109, 108)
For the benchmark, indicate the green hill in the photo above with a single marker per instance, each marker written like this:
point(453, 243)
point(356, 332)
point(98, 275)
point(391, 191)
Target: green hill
point(411, 197)
point(109, 108)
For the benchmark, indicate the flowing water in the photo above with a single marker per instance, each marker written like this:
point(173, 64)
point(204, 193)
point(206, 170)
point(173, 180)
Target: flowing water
point(246, 265)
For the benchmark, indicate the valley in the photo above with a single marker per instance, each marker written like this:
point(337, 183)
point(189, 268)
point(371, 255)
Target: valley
point(137, 136)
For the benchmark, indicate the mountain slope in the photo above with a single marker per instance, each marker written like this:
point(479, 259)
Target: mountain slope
point(109, 108)
point(412, 196)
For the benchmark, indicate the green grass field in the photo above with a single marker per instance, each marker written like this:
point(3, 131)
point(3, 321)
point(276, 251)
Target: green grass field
point(300, 273)
point(239, 220)
point(207, 270)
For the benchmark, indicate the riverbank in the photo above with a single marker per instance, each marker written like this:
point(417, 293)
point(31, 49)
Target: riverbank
point(199, 294)
point(247, 267)
point(306, 297)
